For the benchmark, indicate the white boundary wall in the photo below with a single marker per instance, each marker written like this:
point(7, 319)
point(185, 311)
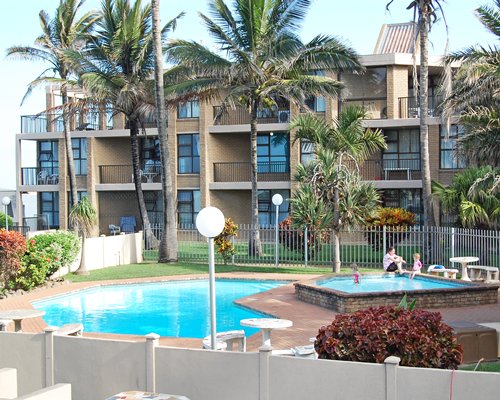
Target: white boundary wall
point(99, 368)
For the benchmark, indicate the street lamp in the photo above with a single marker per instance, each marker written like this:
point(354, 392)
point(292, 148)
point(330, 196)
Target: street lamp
point(6, 202)
point(210, 223)
point(277, 200)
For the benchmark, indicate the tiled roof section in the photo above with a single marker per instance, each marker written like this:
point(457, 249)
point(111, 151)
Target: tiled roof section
point(395, 38)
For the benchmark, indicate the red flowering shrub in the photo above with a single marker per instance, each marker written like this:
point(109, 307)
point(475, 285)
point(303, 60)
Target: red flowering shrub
point(12, 248)
point(397, 219)
point(418, 337)
point(224, 245)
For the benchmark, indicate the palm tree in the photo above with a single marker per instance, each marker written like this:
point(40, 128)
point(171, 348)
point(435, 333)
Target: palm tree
point(83, 217)
point(168, 242)
point(475, 95)
point(116, 68)
point(265, 63)
point(341, 200)
point(425, 14)
point(62, 33)
point(473, 196)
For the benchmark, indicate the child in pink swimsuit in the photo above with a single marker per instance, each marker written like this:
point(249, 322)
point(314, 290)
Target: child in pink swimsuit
point(356, 275)
point(417, 265)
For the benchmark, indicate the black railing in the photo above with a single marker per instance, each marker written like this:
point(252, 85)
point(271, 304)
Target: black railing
point(375, 108)
point(22, 229)
point(409, 107)
point(241, 116)
point(53, 122)
point(241, 172)
point(120, 174)
point(401, 168)
point(40, 176)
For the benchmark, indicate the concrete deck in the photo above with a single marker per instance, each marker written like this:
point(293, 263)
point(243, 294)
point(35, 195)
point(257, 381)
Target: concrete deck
point(280, 302)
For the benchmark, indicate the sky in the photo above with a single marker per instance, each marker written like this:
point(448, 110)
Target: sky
point(357, 22)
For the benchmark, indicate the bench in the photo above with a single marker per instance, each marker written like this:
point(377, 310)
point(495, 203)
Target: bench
point(70, 330)
point(225, 340)
point(476, 271)
point(450, 273)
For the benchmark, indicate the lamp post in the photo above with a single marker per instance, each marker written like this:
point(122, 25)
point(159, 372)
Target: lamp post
point(210, 223)
point(277, 200)
point(6, 202)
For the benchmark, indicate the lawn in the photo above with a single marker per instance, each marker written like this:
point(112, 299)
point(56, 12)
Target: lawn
point(150, 269)
point(493, 366)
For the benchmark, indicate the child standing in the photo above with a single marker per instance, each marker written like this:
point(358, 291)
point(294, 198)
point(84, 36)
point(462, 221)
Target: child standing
point(356, 275)
point(417, 265)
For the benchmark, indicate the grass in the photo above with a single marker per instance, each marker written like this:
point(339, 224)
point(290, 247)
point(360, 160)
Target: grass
point(493, 366)
point(150, 269)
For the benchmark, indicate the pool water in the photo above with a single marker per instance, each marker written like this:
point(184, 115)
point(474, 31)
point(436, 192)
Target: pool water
point(385, 283)
point(175, 308)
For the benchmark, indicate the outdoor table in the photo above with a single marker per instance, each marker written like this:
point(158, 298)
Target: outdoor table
point(18, 315)
point(136, 395)
point(266, 325)
point(464, 261)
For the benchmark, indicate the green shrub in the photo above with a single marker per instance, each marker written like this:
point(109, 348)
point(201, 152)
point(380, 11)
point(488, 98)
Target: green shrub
point(224, 245)
point(2, 220)
point(397, 219)
point(418, 337)
point(31, 274)
point(12, 248)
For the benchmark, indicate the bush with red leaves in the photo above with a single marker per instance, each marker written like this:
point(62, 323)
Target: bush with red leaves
point(12, 248)
point(418, 337)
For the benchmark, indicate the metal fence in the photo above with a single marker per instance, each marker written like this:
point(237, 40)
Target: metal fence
point(364, 246)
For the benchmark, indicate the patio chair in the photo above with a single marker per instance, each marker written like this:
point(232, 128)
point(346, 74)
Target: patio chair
point(113, 229)
point(127, 224)
point(70, 330)
point(42, 177)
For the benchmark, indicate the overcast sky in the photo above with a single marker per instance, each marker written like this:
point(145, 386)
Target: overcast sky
point(358, 22)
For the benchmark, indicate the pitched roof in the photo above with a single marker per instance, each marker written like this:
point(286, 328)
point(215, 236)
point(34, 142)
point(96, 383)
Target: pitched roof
point(396, 38)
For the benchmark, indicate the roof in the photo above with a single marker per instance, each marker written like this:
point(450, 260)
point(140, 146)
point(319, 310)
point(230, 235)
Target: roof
point(396, 38)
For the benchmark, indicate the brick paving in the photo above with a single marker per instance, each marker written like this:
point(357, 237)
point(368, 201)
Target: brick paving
point(280, 302)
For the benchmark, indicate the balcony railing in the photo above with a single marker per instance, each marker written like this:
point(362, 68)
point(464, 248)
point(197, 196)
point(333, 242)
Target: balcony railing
point(375, 108)
point(241, 172)
point(50, 122)
point(40, 176)
point(241, 116)
point(386, 170)
point(120, 174)
point(409, 107)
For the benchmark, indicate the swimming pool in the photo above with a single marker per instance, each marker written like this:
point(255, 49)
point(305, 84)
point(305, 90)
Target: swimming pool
point(173, 308)
point(339, 293)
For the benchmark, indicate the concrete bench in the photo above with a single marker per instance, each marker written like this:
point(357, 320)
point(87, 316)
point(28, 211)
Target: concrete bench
point(70, 330)
point(4, 323)
point(476, 271)
point(226, 340)
point(447, 272)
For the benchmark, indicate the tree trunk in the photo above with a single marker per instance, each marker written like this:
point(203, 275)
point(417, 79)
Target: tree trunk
point(69, 150)
point(255, 246)
point(336, 227)
point(134, 146)
point(168, 242)
point(424, 107)
point(336, 251)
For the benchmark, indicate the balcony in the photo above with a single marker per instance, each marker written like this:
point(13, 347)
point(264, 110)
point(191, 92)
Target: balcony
point(409, 107)
point(388, 170)
point(242, 172)
point(375, 108)
point(241, 116)
point(39, 176)
point(53, 122)
point(122, 174)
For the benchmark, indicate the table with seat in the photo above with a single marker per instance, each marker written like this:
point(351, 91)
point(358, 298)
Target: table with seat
point(18, 315)
point(464, 261)
point(266, 325)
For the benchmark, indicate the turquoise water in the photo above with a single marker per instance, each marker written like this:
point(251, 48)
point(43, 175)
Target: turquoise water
point(176, 308)
point(385, 283)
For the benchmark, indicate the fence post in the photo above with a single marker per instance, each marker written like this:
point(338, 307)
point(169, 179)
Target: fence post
point(384, 239)
point(391, 378)
point(264, 353)
point(452, 245)
point(49, 355)
point(232, 256)
point(306, 252)
point(152, 340)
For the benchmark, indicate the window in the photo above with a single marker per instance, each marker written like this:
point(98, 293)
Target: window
point(189, 109)
point(80, 155)
point(48, 157)
point(49, 206)
point(371, 85)
point(403, 149)
point(188, 153)
point(150, 150)
point(267, 210)
point(154, 206)
point(273, 152)
point(306, 151)
point(447, 146)
point(316, 103)
point(188, 206)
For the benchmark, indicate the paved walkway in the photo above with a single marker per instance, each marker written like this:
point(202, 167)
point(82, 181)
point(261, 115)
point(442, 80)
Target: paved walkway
point(280, 302)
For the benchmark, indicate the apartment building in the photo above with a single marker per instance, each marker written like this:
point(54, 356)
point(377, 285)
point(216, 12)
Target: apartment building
point(211, 161)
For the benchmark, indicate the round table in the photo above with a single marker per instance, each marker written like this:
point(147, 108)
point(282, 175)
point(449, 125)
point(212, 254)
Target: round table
point(18, 315)
point(266, 325)
point(464, 261)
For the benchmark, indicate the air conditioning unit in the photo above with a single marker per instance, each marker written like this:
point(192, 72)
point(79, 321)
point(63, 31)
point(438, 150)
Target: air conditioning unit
point(284, 116)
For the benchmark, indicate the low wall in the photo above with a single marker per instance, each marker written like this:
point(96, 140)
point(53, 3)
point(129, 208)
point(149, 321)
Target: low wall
point(99, 368)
